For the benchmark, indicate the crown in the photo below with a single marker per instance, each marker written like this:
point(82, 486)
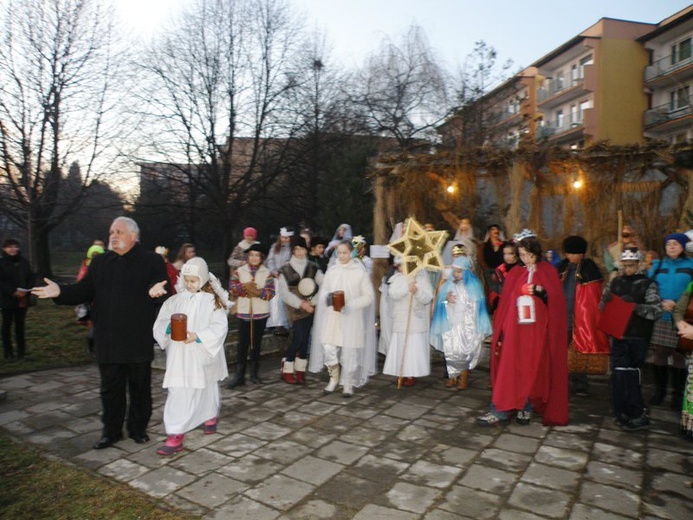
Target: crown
point(630, 254)
point(358, 239)
point(285, 232)
point(459, 249)
point(525, 233)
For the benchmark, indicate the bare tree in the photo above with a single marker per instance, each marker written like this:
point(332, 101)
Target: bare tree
point(57, 70)
point(402, 89)
point(215, 94)
point(480, 73)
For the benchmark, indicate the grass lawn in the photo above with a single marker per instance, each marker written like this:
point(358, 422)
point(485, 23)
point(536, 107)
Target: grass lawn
point(34, 486)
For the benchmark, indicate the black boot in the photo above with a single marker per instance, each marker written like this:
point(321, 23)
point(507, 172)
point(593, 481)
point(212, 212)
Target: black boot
point(255, 373)
point(661, 377)
point(90, 345)
point(238, 378)
point(679, 376)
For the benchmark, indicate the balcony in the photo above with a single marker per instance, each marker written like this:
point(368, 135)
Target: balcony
point(559, 93)
point(663, 70)
point(557, 128)
point(665, 114)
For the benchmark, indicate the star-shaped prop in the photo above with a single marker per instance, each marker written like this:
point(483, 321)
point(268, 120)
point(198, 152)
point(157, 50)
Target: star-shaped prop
point(419, 249)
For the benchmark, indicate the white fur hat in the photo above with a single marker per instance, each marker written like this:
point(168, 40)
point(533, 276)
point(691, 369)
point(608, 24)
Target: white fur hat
point(196, 266)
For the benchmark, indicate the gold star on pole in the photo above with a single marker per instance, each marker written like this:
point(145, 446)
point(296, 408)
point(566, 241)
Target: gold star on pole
point(419, 249)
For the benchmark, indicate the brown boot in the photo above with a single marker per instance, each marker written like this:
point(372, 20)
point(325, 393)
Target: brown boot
point(451, 382)
point(462, 380)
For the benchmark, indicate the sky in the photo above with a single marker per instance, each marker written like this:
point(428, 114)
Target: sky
point(519, 31)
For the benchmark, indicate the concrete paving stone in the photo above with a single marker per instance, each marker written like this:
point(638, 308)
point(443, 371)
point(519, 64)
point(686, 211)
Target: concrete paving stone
point(52, 388)
point(425, 473)
point(193, 440)
point(358, 412)
point(405, 411)
point(385, 423)
point(294, 419)
point(397, 450)
point(83, 425)
point(473, 439)
point(256, 414)
point(318, 510)
point(75, 445)
point(236, 444)
point(362, 436)
point(11, 384)
point(46, 407)
point(229, 424)
point(517, 443)
point(251, 469)
point(428, 423)
point(491, 480)
point(423, 401)
point(579, 428)
point(551, 477)
point(377, 469)
point(669, 507)
point(313, 470)
point(123, 470)
point(562, 458)
point(541, 501)
point(50, 436)
point(201, 461)
point(585, 512)
point(372, 511)
point(212, 490)
point(377, 402)
point(675, 484)
point(162, 481)
point(42, 421)
point(148, 457)
point(341, 452)
point(311, 437)
point(283, 451)
point(614, 475)
point(13, 416)
point(18, 428)
point(439, 514)
point(670, 461)
point(569, 441)
point(351, 491)
point(442, 419)
point(94, 459)
point(534, 429)
point(616, 500)
point(243, 508)
point(471, 502)
point(510, 513)
point(507, 460)
point(618, 437)
point(619, 455)
point(338, 426)
point(283, 404)
point(185, 505)
point(453, 456)
point(415, 434)
point(410, 497)
point(280, 492)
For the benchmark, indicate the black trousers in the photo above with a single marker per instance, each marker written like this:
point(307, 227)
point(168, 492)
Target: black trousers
point(16, 317)
point(299, 344)
point(118, 380)
point(258, 329)
point(627, 360)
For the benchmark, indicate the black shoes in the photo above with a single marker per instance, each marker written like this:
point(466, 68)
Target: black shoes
point(236, 380)
point(139, 437)
point(105, 442)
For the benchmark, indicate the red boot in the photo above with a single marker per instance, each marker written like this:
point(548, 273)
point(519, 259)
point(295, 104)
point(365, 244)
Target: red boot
point(288, 373)
point(301, 365)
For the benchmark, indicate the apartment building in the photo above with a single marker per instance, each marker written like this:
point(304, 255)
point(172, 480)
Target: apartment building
point(591, 87)
point(669, 79)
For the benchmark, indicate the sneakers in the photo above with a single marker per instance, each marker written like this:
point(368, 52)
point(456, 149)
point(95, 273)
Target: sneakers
point(490, 419)
point(174, 444)
point(639, 423)
point(523, 417)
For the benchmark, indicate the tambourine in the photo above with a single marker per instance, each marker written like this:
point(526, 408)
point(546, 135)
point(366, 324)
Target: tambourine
point(306, 287)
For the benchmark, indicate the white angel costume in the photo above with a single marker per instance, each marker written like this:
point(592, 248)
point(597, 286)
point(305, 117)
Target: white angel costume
point(193, 370)
point(409, 354)
point(349, 333)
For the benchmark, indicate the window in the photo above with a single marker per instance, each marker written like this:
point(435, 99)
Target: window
point(681, 51)
point(587, 60)
point(574, 115)
point(679, 98)
point(584, 105)
point(559, 118)
point(574, 75)
point(559, 84)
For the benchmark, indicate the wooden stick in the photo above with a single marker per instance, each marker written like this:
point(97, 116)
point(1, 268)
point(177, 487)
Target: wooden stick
point(406, 342)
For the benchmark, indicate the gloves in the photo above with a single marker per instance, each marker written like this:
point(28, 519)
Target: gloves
point(251, 289)
point(627, 298)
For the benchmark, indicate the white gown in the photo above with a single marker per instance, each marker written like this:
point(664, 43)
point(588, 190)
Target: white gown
point(193, 370)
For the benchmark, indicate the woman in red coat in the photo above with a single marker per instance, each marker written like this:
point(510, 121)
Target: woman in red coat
point(529, 350)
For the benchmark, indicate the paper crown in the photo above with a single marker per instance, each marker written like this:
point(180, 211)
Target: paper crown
point(285, 232)
point(358, 239)
point(525, 233)
point(630, 254)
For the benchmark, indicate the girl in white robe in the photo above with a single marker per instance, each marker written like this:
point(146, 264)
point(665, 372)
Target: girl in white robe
point(195, 365)
point(409, 354)
point(344, 341)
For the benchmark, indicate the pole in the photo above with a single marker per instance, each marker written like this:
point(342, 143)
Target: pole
point(406, 342)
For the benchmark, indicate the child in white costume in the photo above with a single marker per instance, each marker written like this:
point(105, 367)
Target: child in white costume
point(193, 366)
point(410, 298)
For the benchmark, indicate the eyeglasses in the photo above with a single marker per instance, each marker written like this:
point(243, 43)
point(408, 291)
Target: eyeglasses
point(625, 235)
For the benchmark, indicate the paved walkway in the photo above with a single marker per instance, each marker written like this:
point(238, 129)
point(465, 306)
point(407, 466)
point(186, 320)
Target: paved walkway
point(294, 453)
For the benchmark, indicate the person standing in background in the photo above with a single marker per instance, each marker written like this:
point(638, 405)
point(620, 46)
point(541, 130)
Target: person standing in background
point(15, 275)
